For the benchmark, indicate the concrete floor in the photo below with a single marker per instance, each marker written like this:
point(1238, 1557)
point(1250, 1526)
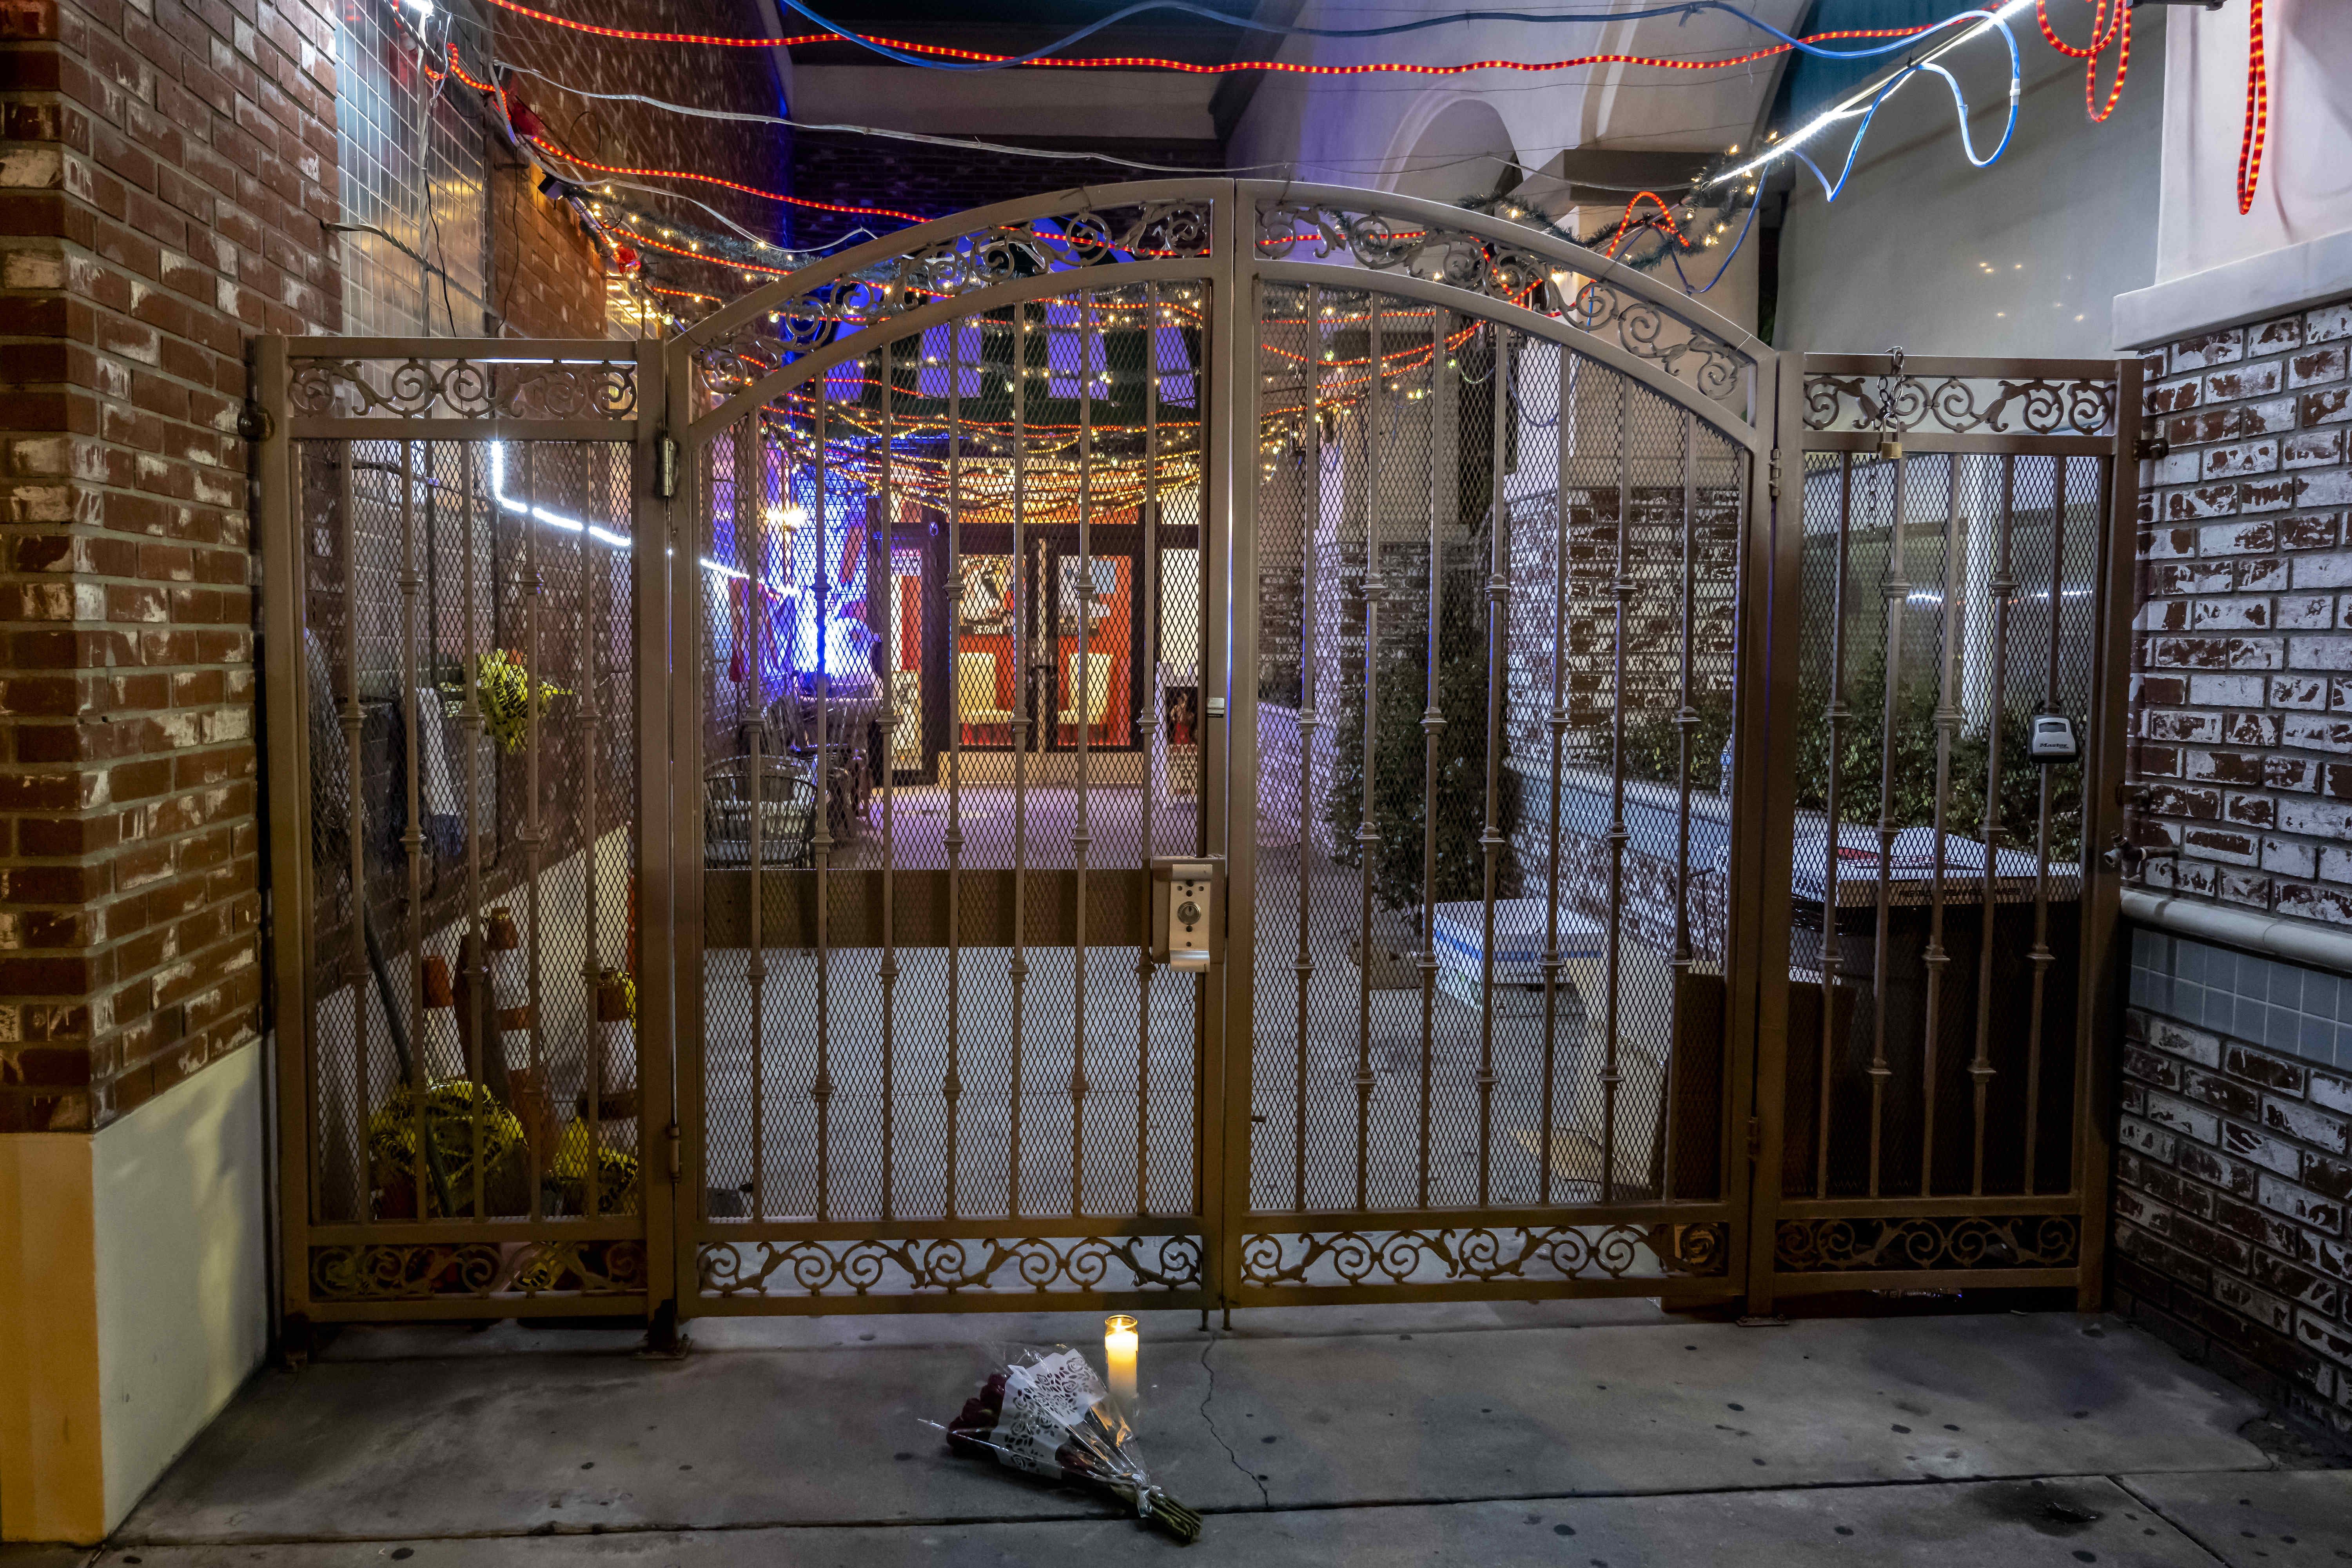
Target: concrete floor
point(1569, 1434)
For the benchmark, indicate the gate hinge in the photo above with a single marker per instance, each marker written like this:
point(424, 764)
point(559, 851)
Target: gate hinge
point(670, 1133)
point(666, 470)
point(1755, 1140)
point(2151, 449)
point(1772, 481)
point(254, 423)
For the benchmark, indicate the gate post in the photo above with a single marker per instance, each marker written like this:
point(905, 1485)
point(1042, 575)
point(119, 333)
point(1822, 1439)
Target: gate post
point(1764, 809)
point(650, 565)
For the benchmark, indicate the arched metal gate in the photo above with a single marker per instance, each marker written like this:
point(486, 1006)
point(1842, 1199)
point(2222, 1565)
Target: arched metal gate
point(1290, 534)
point(1216, 754)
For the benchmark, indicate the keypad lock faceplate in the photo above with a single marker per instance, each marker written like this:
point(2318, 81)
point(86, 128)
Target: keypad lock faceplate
point(1186, 923)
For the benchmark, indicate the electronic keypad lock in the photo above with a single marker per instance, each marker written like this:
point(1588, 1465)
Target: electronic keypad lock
point(1186, 923)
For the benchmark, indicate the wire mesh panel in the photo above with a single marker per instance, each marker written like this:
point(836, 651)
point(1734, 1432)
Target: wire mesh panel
point(948, 672)
point(454, 717)
point(1958, 535)
point(1495, 591)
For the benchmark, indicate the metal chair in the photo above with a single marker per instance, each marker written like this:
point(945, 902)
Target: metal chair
point(787, 812)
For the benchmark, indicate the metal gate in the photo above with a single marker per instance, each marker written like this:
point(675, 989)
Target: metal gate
point(1938, 981)
point(463, 754)
point(1353, 553)
point(1191, 744)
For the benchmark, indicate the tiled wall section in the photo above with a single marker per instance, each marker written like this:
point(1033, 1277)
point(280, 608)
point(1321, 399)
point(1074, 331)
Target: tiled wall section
point(2233, 1173)
point(2242, 698)
point(2283, 1007)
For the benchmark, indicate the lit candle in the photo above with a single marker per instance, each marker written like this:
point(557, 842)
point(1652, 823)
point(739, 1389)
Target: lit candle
point(1119, 1356)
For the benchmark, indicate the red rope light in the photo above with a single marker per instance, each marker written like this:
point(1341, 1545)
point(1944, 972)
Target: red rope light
point(546, 145)
point(701, 256)
point(1625, 224)
point(1131, 62)
point(2105, 29)
point(2258, 109)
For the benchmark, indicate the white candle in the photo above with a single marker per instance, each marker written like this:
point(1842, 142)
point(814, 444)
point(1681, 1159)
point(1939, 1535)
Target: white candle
point(1119, 1356)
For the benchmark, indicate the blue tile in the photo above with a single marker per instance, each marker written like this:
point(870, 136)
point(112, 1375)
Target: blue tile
point(2282, 1029)
point(2143, 946)
point(2319, 994)
point(2248, 1019)
point(2189, 960)
point(2254, 976)
point(2160, 992)
point(2316, 1041)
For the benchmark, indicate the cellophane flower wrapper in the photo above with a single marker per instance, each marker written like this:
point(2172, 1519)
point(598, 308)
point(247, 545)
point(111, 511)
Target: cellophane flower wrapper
point(1045, 1412)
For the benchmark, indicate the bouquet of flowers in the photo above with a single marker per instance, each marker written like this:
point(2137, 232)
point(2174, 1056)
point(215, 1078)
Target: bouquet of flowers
point(1045, 1412)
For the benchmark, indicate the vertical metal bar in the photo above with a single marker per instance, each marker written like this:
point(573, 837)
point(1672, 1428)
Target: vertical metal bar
point(1367, 833)
point(354, 722)
point(1622, 590)
point(1563, 444)
point(1896, 588)
point(1080, 838)
point(1147, 684)
point(880, 555)
point(473, 956)
point(1231, 792)
point(1833, 717)
point(2096, 995)
point(286, 764)
point(1758, 895)
point(2003, 588)
point(592, 768)
point(1948, 725)
point(2040, 955)
point(1491, 840)
point(1310, 519)
point(533, 830)
point(1444, 499)
point(1023, 716)
point(751, 552)
point(952, 1085)
point(1686, 731)
point(413, 840)
point(821, 1089)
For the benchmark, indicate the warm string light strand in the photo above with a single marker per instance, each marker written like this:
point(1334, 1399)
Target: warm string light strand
point(2258, 109)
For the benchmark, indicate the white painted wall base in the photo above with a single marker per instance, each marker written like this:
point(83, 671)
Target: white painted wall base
point(134, 1298)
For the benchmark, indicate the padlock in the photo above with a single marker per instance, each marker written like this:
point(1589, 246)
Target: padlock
point(1889, 448)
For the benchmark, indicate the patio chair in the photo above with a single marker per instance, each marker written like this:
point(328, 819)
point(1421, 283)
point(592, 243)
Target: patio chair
point(787, 812)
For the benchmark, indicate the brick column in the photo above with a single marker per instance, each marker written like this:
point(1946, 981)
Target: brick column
point(163, 178)
point(2244, 703)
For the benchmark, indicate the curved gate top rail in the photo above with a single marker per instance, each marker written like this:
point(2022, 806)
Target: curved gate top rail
point(1086, 228)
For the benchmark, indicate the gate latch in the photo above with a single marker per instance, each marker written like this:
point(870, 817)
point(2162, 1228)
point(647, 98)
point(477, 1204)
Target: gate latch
point(1187, 926)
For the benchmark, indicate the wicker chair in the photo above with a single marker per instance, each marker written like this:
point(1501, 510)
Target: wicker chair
point(787, 812)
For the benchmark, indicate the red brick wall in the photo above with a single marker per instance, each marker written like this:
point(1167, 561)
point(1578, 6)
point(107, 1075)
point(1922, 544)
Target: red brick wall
point(164, 177)
point(2242, 705)
point(537, 283)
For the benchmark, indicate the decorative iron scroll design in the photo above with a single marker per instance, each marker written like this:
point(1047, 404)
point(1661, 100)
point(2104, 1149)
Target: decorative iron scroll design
point(1681, 347)
point(393, 1271)
point(422, 388)
point(959, 264)
point(950, 1264)
point(1960, 405)
point(1955, 1241)
point(1441, 1254)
